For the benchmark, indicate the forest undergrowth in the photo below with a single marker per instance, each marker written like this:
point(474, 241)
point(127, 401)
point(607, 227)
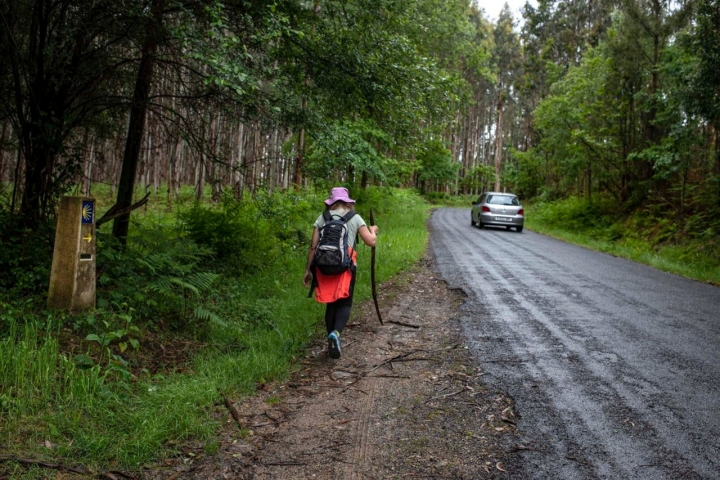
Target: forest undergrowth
point(206, 302)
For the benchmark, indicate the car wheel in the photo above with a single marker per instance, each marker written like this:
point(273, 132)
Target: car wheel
point(519, 229)
point(472, 222)
point(480, 225)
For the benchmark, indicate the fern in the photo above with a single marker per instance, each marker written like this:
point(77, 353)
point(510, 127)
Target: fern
point(203, 281)
point(185, 285)
point(205, 315)
point(196, 284)
point(162, 277)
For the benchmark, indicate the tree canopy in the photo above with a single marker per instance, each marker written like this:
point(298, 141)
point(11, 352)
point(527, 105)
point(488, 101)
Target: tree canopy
point(617, 97)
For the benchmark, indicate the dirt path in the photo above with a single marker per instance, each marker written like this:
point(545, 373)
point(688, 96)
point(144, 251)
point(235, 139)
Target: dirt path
point(404, 401)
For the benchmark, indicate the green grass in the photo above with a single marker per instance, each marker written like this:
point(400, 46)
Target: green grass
point(659, 243)
point(102, 419)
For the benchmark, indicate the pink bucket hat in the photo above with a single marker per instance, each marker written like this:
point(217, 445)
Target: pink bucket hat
point(339, 194)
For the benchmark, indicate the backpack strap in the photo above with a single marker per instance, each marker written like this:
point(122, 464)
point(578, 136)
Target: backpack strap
point(346, 218)
point(327, 215)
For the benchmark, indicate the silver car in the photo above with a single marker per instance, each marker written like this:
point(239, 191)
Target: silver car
point(498, 209)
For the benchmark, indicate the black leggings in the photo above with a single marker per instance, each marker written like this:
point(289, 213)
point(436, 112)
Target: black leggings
point(337, 313)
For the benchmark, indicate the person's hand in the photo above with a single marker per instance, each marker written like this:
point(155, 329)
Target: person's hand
point(374, 229)
point(307, 278)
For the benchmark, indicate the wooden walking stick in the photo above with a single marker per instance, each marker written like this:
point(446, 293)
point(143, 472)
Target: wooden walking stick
point(372, 273)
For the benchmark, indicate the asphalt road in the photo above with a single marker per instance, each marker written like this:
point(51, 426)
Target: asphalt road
point(614, 366)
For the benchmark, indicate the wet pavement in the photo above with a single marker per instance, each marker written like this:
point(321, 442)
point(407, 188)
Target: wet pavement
point(614, 366)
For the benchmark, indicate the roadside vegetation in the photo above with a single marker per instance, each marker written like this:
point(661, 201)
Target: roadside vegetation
point(205, 303)
point(687, 245)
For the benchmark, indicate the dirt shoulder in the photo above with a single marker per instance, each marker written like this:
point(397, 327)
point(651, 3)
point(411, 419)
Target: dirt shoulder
point(404, 401)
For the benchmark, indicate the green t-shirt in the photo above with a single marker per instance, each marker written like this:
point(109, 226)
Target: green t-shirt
point(353, 225)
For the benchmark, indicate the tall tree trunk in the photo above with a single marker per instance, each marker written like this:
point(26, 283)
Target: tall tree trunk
point(717, 157)
point(88, 169)
point(156, 162)
point(3, 139)
point(136, 127)
point(34, 138)
point(200, 174)
point(16, 180)
point(272, 162)
point(237, 172)
point(172, 167)
point(499, 141)
point(297, 176)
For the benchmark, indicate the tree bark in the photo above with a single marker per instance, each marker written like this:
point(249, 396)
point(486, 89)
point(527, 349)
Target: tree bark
point(3, 138)
point(717, 157)
point(138, 114)
point(499, 141)
point(16, 180)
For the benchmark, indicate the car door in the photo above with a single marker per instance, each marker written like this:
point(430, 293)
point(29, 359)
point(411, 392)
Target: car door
point(476, 208)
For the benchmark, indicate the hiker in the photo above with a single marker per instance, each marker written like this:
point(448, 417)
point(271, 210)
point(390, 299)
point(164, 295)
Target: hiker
point(336, 289)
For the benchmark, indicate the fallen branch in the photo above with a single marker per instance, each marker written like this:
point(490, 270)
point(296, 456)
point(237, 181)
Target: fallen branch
point(522, 448)
point(384, 362)
point(342, 422)
point(446, 395)
point(508, 420)
point(114, 212)
point(579, 460)
point(504, 361)
point(122, 474)
point(268, 439)
point(40, 463)
point(410, 325)
point(233, 411)
point(420, 359)
point(108, 475)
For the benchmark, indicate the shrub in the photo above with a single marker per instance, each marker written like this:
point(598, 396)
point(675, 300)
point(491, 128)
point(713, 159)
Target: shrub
point(25, 257)
point(161, 276)
point(577, 215)
point(237, 233)
point(247, 235)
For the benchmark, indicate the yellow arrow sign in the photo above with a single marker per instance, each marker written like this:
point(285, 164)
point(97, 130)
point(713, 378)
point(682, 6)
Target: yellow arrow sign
point(88, 238)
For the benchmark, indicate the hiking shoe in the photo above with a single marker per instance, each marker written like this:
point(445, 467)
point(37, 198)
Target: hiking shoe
point(334, 344)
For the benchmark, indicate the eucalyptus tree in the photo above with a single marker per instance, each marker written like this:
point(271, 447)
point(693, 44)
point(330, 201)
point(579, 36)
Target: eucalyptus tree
point(64, 68)
point(470, 136)
point(507, 62)
point(75, 67)
point(643, 32)
point(703, 95)
point(578, 124)
point(372, 67)
point(216, 57)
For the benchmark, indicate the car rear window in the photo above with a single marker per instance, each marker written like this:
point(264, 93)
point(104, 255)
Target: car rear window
point(502, 200)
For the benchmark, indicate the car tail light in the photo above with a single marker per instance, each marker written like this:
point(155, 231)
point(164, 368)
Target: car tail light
point(521, 212)
point(486, 209)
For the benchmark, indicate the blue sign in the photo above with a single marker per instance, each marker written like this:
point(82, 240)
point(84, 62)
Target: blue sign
point(88, 211)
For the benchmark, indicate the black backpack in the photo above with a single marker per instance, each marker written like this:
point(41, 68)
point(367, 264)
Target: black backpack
point(331, 253)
